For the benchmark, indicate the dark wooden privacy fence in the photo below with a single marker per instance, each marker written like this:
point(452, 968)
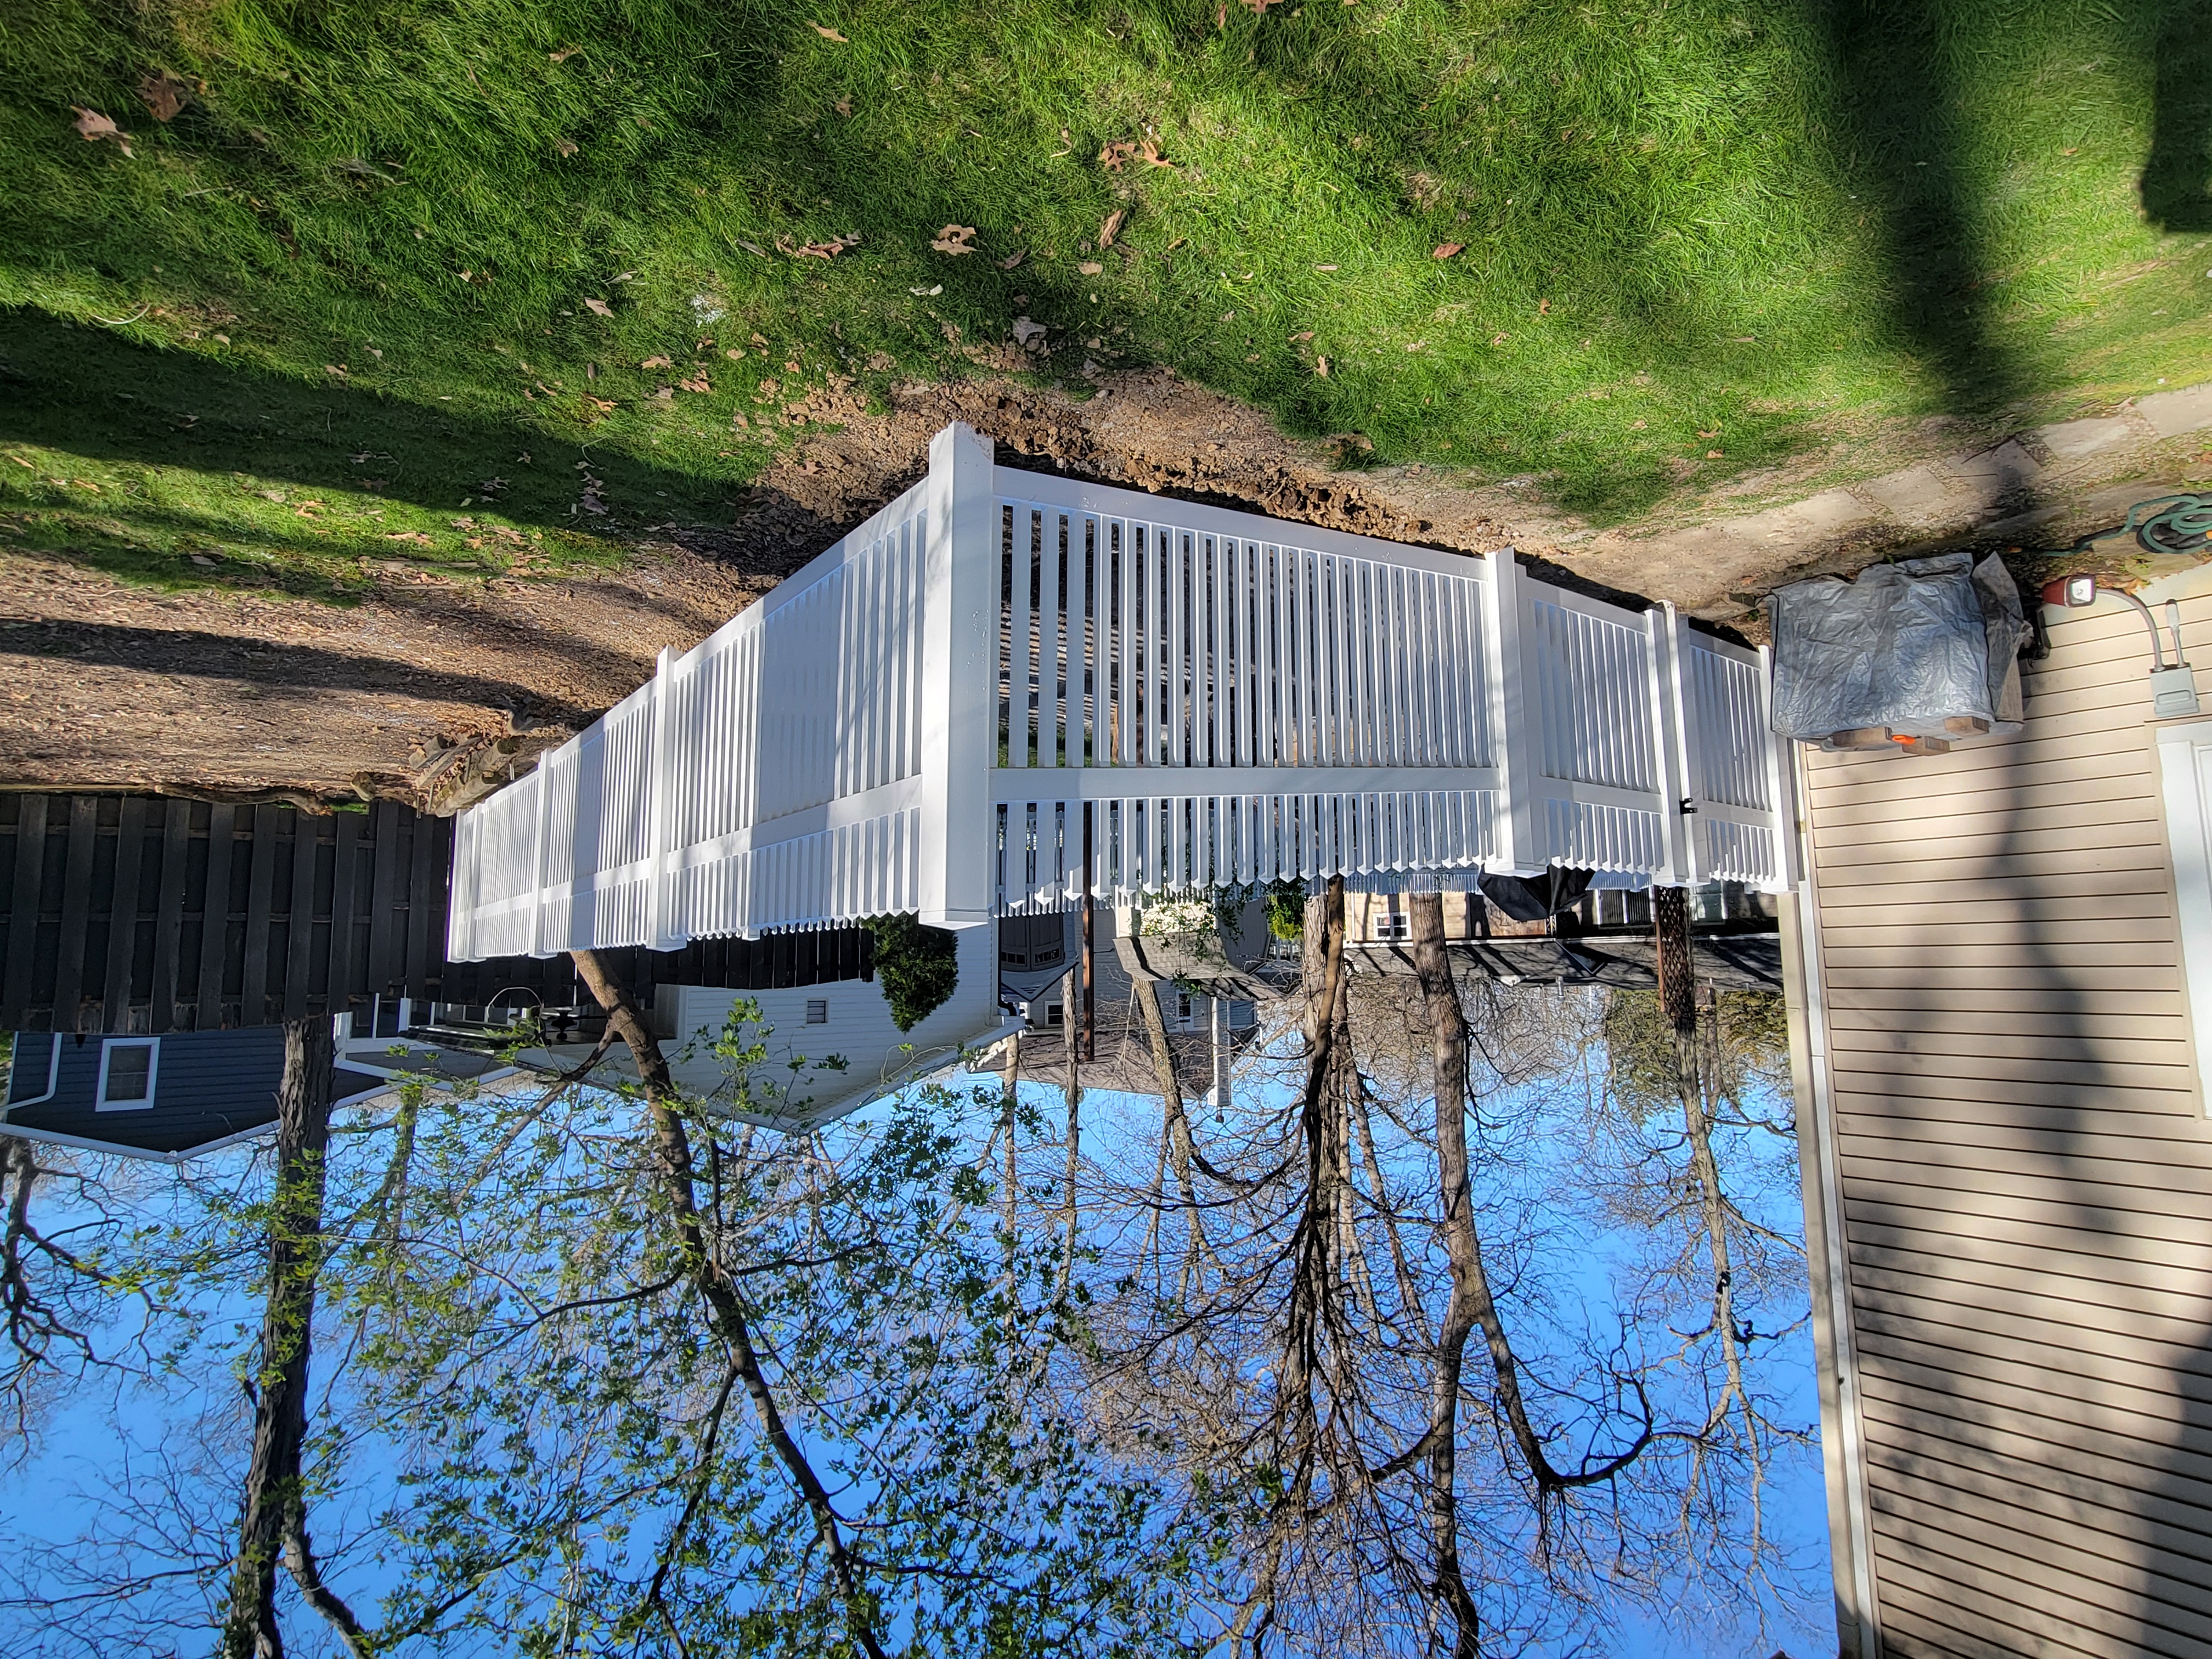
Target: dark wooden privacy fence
point(140, 914)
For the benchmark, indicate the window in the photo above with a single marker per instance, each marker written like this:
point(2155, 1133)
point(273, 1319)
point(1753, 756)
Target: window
point(817, 1011)
point(1053, 1014)
point(127, 1068)
point(1182, 1009)
point(1394, 924)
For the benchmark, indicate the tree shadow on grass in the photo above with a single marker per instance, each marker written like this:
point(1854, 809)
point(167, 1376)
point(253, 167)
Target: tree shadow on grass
point(2176, 176)
point(91, 393)
point(1897, 78)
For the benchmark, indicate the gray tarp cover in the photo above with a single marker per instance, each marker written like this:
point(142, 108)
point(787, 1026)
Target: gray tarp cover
point(1906, 645)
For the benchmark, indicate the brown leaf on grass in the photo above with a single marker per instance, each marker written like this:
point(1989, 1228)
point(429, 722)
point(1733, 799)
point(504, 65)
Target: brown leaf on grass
point(696, 383)
point(1445, 250)
point(1259, 7)
point(828, 250)
point(843, 105)
point(95, 126)
point(1320, 367)
point(566, 147)
point(165, 95)
point(599, 308)
point(656, 363)
point(1028, 333)
point(564, 54)
point(1090, 267)
point(955, 239)
point(1123, 150)
point(1106, 231)
point(830, 35)
point(1543, 307)
point(1307, 335)
point(1013, 258)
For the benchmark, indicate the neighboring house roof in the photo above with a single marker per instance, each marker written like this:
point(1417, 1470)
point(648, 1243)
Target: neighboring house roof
point(201, 1090)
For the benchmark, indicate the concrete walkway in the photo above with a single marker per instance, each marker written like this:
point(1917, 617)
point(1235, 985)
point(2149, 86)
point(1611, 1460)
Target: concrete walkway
point(2027, 480)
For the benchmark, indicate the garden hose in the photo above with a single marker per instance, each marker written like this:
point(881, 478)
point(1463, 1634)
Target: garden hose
point(2164, 524)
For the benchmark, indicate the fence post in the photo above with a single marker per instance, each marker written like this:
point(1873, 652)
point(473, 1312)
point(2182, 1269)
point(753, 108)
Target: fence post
point(959, 646)
point(1781, 781)
point(659, 811)
point(1518, 841)
point(1676, 736)
point(537, 810)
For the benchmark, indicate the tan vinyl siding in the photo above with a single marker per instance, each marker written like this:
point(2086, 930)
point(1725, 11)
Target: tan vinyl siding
point(2026, 1170)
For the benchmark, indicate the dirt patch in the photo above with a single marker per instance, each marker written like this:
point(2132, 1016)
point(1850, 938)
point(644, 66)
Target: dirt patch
point(423, 692)
point(432, 691)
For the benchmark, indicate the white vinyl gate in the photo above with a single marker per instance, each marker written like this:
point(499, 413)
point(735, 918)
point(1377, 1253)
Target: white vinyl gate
point(938, 714)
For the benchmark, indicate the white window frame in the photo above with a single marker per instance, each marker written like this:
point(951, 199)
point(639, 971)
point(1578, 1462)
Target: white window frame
point(2185, 756)
point(108, 1049)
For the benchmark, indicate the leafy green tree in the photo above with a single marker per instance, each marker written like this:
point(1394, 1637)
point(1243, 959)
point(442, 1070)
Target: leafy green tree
point(916, 966)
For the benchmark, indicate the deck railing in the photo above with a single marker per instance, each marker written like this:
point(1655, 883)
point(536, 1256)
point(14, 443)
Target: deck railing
point(938, 714)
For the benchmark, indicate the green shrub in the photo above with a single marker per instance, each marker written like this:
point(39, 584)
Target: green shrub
point(1286, 908)
point(915, 965)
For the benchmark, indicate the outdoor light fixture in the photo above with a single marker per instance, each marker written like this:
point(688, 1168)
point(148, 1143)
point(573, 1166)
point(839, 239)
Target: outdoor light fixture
point(2172, 689)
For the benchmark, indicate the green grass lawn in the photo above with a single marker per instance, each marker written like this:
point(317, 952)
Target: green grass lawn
point(1692, 237)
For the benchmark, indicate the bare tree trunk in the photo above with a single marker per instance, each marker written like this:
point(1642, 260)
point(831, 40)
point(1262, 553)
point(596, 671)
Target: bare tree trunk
point(1072, 1041)
point(1175, 1127)
point(1448, 1031)
point(274, 1526)
point(726, 1312)
point(1472, 1302)
point(1009, 1100)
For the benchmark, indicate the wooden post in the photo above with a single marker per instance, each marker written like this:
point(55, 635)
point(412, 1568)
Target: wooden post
point(1670, 922)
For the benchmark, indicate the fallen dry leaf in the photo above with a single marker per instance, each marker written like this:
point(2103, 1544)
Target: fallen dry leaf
point(656, 363)
point(696, 383)
point(564, 54)
point(830, 35)
point(566, 147)
point(1026, 332)
point(843, 105)
point(1149, 154)
point(1013, 258)
point(1543, 307)
point(828, 250)
point(600, 403)
point(203, 559)
point(1324, 267)
point(95, 126)
point(166, 96)
point(1320, 367)
point(599, 308)
point(1713, 454)
point(955, 239)
point(1090, 267)
point(1445, 250)
point(1106, 231)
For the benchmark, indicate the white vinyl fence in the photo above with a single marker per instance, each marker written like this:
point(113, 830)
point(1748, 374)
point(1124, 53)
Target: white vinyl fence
point(1002, 669)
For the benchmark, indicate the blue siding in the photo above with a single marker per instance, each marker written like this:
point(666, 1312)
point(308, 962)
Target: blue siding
point(207, 1085)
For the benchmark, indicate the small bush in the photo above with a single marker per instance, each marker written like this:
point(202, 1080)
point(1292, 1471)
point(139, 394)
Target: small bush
point(915, 965)
point(1286, 908)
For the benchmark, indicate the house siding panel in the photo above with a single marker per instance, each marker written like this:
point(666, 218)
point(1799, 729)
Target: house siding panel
point(2026, 1170)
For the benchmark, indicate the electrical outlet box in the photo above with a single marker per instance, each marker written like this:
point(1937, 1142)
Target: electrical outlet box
point(2173, 693)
